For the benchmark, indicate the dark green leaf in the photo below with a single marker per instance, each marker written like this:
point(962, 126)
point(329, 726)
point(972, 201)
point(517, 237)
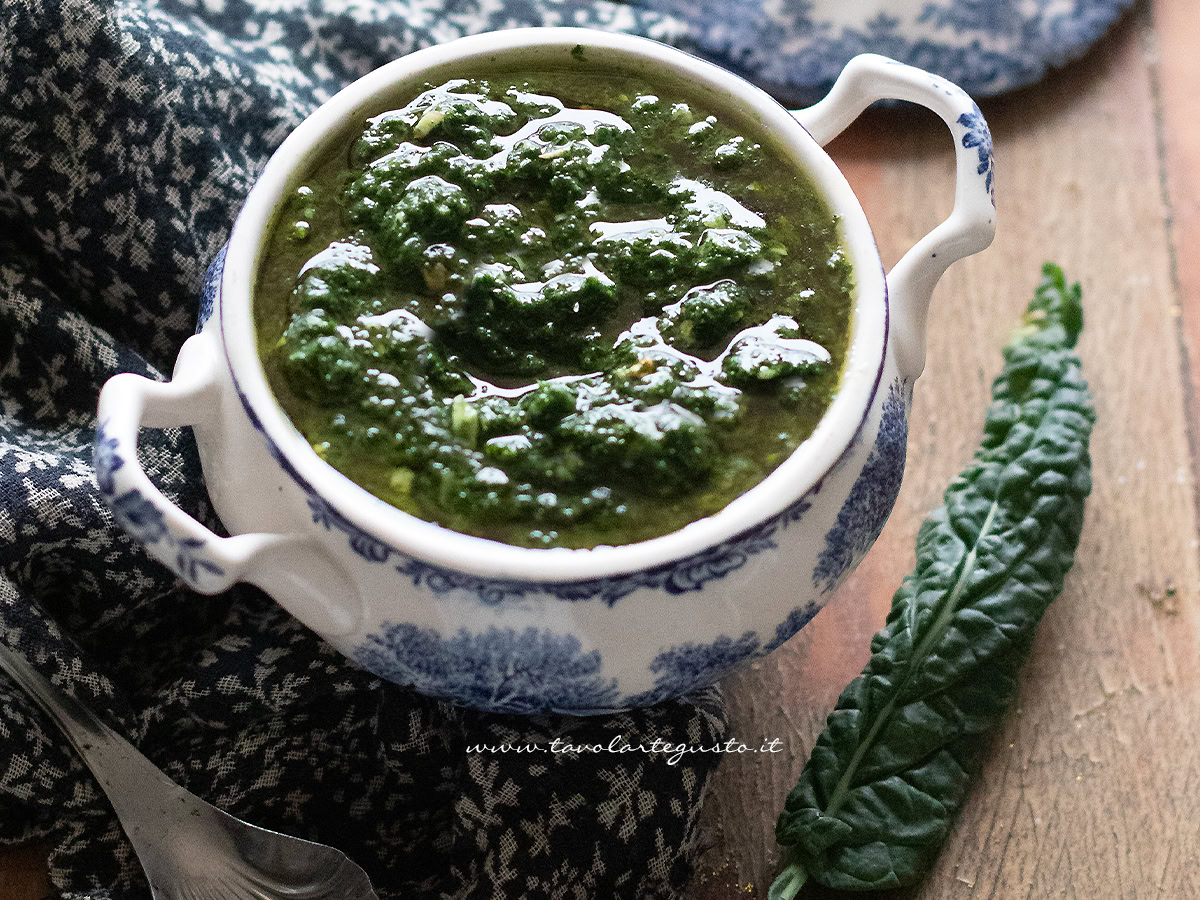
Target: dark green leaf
point(890, 772)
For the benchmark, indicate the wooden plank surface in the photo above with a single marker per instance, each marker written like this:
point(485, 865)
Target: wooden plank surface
point(1090, 788)
point(1176, 67)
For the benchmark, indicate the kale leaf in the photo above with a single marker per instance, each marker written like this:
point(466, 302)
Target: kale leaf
point(886, 778)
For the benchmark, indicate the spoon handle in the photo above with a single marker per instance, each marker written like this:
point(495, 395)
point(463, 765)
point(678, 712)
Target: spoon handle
point(189, 849)
point(122, 771)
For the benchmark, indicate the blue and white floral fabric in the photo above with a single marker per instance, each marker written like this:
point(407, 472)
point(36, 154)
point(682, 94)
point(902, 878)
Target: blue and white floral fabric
point(129, 134)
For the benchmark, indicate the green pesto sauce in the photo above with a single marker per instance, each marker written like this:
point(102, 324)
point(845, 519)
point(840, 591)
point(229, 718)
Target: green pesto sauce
point(555, 309)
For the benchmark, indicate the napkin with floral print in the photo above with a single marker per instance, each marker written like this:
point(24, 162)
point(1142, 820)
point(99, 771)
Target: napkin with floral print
point(130, 131)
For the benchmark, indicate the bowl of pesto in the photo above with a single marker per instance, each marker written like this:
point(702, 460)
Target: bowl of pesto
point(551, 370)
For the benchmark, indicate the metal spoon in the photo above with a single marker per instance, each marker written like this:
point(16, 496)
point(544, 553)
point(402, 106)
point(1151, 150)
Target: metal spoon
point(189, 849)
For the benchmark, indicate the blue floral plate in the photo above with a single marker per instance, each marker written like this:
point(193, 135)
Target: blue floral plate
point(796, 48)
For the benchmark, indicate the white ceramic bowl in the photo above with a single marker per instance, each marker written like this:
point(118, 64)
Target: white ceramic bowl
point(530, 630)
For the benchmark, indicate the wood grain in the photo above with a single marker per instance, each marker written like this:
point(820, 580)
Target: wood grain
point(1175, 69)
point(1089, 789)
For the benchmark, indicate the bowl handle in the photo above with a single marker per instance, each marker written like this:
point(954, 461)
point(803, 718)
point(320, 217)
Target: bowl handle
point(292, 568)
point(969, 228)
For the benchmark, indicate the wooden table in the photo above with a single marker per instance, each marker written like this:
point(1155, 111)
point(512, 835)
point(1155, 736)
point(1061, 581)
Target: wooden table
point(1092, 788)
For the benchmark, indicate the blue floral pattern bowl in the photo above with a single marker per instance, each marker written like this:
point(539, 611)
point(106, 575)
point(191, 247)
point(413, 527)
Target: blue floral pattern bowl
point(796, 49)
point(518, 630)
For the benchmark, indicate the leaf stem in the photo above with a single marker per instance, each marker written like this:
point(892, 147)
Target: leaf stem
point(945, 615)
point(788, 883)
